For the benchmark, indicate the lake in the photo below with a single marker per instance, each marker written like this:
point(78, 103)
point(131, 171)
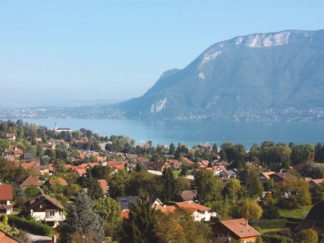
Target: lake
point(197, 132)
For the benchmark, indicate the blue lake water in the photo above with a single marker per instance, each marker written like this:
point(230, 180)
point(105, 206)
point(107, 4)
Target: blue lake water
point(197, 132)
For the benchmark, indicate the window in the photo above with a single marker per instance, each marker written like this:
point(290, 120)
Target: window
point(50, 213)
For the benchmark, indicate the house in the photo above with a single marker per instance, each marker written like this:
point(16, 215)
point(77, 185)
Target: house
point(174, 164)
point(57, 181)
point(31, 181)
point(314, 219)
point(47, 209)
point(186, 161)
point(158, 205)
point(17, 152)
point(218, 170)
point(60, 130)
point(116, 165)
point(235, 229)
point(158, 166)
point(264, 176)
point(104, 186)
point(8, 136)
point(228, 174)
point(313, 183)
point(125, 202)
point(8, 238)
point(282, 176)
point(203, 164)
point(188, 195)
point(6, 198)
point(199, 212)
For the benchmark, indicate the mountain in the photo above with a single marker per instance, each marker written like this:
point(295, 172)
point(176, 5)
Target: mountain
point(267, 74)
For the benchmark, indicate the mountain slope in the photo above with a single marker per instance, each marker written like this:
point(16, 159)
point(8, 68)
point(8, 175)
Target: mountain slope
point(253, 74)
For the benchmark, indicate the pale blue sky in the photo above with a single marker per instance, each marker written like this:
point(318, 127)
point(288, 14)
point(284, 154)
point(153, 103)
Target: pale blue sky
point(116, 49)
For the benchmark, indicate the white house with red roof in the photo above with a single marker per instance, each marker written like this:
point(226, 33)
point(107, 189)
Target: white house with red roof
point(6, 198)
point(199, 212)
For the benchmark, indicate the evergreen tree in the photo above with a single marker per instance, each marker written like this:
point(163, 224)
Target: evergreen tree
point(140, 225)
point(169, 185)
point(82, 220)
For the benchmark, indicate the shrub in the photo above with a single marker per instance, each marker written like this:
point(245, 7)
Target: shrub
point(30, 225)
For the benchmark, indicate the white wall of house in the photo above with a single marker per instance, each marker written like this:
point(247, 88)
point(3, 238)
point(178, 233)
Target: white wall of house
point(49, 216)
point(201, 216)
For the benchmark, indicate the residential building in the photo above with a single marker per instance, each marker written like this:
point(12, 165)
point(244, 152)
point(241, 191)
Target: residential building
point(47, 209)
point(234, 229)
point(199, 212)
point(6, 198)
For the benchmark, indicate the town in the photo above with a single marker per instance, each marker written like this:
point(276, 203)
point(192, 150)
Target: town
point(61, 185)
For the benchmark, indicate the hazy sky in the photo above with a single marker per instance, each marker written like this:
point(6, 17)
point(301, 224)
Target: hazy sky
point(62, 50)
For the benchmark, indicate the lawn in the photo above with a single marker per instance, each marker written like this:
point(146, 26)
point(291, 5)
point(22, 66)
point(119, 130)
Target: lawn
point(263, 231)
point(299, 213)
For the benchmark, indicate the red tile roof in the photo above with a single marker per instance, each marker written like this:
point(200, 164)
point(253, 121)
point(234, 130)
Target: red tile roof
point(118, 165)
point(58, 181)
point(318, 181)
point(104, 185)
point(31, 181)
point(192, 206)
point(240, 227)
point(6, 192)
point(29, 165)
point(7, 238)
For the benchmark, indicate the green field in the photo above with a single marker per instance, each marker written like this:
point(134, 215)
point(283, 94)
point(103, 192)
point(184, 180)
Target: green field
point(299, 213)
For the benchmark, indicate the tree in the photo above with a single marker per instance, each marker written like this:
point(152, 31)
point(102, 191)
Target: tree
point(250, 178)
point(94, 189)
point(208, 186)
point(172, 149)
point(109, 210)
point(83, 220)
point(179, 226)
point(169, 185)
point(251, 210)
point(308, 236)
point(140, 225)
point(235, 153)
point(293, 193)
point(232, 189)
point(59, 164)
point(302, 154)
point(276, 156)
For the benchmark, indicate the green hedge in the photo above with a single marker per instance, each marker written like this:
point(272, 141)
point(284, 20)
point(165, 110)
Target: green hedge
point(29, 225)
point(269, 223)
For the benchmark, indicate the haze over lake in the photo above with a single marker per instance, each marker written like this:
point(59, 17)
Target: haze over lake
point(197, 132)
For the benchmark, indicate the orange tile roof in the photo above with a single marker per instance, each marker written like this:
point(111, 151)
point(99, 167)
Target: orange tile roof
point(58, 181)
point(6, 238)
point(124, 214)
point(31, 181)
point(6, 192)
point(240, 227)
point(118, 165)
point(192, 206)
point(268, 174)
point(187, 161)
point(104, 185)
point(318, 181)
point(29, 165)
point(166, 209)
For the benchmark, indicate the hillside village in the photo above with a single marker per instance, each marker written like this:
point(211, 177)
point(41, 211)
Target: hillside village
point(77, 186)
